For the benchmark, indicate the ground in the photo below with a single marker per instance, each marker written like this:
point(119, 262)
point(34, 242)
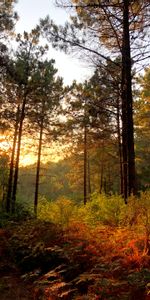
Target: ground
point(41, 262)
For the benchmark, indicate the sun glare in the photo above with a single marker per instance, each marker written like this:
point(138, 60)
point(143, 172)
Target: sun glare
point(26, 160)
point(29, 150)
point(5, 144)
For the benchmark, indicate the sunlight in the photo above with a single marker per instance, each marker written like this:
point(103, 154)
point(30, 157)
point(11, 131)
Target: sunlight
point(27, 160)
point(28, 156)
point(5, 143)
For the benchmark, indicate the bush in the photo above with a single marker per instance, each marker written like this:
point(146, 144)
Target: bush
point(103, 209)
point(21, 214)
point(137, 210)
point(32, 243)
point(59, 212)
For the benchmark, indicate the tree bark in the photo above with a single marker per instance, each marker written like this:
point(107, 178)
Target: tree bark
point(38, 163)
point(11, 169)
point(85, 164)
point(101, 180)
point(89, 178)
point(119, 145)
point(14, 192)
point(129, 185)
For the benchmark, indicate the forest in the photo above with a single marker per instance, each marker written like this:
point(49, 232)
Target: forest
point(75, 158)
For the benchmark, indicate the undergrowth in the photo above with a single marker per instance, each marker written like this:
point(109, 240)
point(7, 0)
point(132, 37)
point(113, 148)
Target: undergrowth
point(100, 210)
point(97, 251)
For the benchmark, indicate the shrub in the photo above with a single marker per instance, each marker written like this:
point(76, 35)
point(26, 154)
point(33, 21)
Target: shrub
point(60, 212)
point(103, 209)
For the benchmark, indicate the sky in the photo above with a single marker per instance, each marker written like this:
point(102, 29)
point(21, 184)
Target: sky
point(30, 11)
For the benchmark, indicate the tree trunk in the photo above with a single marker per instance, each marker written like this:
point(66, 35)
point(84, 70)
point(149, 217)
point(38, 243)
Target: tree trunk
point(38, 163)
point(11, 169)
point(85, 164)
point(89, 178)
point(124, 151)
point(127, 113)
point(110, 184)
point(18, 154)
point(119, 146)
point(101, 182)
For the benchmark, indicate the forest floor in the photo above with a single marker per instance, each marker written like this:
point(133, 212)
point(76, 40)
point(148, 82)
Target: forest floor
point(40, 261)
point(11, 285)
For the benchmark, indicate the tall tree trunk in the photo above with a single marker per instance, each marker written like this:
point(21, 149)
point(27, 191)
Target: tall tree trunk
point(89, 177)
point(130, 128)
point(109, 181)
point(119, 146)
point(38, 163)
point(85, 164)
point(124, 151)
point(101, 180)
point(14, 192)
point(11, 169)
point(127, 113)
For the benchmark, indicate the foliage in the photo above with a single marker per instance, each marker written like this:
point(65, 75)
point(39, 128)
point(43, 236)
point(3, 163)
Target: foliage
point(7, 16)
point(60, 212)
point(100, 250)
point(71, 257)
point(78, 259)
point(103, 209)
point(8, 19)
point(142, 125)
point(22, 213)
point(117, 29)
point(30, 245)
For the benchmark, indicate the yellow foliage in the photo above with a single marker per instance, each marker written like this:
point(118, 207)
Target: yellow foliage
point(59, 212)
point(105, 223)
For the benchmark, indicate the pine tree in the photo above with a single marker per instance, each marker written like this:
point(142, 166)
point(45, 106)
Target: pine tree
point(104, 30)
point(45, 101)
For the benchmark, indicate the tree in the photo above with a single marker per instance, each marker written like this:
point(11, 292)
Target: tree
point(12, 161)
point(142, 123)
point(109, 29)
point(3, 175)
point(46, 98)
point(107, 102)
point(7, 22)
point(7, 17)
point(88, 109)
point(22, 69)
point(129, 181)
